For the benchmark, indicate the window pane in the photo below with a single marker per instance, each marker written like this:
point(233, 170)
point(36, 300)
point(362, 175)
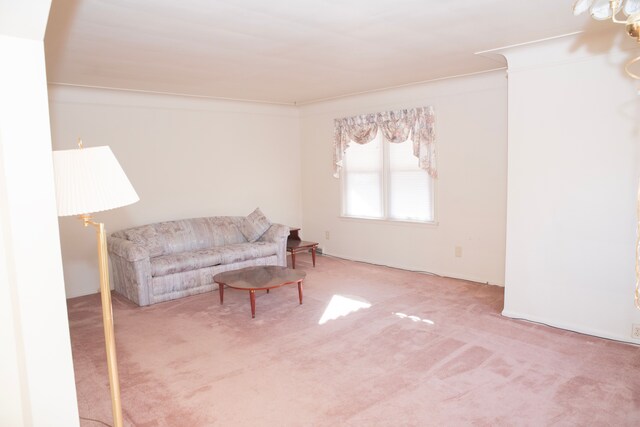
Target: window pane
point(410, 188)
point(363, 198)
point(367, 174)
point(363, 180)
point(365, 157)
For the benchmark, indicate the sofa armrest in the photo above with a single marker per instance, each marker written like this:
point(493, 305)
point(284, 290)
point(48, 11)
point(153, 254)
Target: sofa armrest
point(131, 270)
point(277, 233)
point(127, 249)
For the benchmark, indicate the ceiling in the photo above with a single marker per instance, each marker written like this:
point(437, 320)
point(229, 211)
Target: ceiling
point(287, 51)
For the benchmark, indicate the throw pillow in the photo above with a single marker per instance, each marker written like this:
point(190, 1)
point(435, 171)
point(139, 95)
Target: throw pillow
point(254, 225)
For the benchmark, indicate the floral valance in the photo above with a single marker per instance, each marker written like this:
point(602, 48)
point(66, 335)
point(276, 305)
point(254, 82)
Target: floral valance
point(396, 126)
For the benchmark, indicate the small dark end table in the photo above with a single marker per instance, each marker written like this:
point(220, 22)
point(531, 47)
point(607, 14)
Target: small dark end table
point(295, 244)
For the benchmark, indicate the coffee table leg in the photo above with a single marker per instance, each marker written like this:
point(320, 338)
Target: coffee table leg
point(293, 259)
point(313, 255)
point(252, 297)
point(300, 291)
point(221, 291)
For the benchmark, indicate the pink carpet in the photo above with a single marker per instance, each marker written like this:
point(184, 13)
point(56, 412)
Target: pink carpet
point(409, 350)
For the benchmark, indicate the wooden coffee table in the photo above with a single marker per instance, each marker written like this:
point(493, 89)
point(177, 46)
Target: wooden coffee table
point(259, 278)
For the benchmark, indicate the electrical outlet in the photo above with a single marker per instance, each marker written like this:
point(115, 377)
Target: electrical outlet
point(635, 331)
point(458, 251)
point(327, 235)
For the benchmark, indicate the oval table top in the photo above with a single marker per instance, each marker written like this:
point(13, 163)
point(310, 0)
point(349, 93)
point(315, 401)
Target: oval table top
point(260, 277)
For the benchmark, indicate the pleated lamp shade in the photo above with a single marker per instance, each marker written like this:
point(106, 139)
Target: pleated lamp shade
point(90, 180)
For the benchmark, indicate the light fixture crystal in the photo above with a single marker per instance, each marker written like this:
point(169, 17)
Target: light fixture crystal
point(631, 7)
point(604, 9)
point(609, 9)
point(581, 6)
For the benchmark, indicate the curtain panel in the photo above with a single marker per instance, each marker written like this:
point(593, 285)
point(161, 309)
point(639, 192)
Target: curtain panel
point(396, 127)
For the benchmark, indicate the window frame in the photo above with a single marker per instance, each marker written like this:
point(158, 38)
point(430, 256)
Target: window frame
point(386, 172)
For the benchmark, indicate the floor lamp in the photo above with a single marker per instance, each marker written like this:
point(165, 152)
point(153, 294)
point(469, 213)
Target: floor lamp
point(91, 180)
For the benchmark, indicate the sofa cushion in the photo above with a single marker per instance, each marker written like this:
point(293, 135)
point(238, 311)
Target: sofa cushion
point(185, 261)
point(254, 225)
point(222, 231)
point(174, 237)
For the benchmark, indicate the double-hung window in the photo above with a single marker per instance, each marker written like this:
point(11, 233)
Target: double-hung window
point(382, 180)
point(387, 162)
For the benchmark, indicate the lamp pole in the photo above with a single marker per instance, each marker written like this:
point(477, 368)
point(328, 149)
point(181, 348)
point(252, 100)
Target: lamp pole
point(107, 318)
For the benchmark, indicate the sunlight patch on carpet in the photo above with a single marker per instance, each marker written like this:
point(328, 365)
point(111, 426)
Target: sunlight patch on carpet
point(341, 306)
point(414, 318)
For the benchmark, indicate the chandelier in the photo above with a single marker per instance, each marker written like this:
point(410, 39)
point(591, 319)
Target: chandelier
point(610, 9)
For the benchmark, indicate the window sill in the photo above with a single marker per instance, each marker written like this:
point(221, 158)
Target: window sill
point(393, 222)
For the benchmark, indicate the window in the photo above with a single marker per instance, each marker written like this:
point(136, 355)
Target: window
point(382, 180)
point(389, 168)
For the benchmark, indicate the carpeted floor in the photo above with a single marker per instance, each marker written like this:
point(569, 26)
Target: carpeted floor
point(370, 346)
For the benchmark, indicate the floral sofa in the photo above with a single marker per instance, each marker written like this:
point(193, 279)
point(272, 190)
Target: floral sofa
point(169, 260)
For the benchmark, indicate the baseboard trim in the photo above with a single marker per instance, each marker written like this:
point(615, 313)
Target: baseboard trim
point(418, 270)
point(569, 327)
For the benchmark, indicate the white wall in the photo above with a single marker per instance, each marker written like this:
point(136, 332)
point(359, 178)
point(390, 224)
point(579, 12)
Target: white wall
point(36, 373)
point(573, 175)
point(186, 157)
point(471, 128)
